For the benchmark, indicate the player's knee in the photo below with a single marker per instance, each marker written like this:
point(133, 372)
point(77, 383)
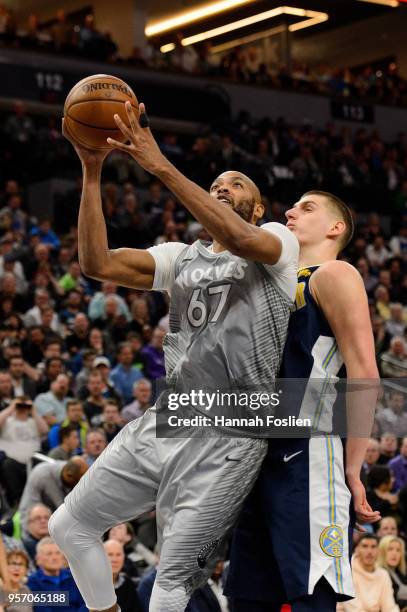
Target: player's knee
point(60, 524)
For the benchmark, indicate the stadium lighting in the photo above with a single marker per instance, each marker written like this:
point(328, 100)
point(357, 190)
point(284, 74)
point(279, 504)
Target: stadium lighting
point(186, 17)
point(392, 3)
point(313, 17)
point(246, 39)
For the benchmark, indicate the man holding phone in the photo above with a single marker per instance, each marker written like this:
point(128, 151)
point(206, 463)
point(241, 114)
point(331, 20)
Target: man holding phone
point(21, 430)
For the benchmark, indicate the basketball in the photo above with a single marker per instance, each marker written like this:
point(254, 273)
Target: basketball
point(90, 108)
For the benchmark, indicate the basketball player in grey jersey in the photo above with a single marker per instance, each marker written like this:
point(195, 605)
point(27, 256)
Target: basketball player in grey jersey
point(229, 311)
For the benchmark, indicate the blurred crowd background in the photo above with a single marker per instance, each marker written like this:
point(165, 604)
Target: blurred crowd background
point(82, 38)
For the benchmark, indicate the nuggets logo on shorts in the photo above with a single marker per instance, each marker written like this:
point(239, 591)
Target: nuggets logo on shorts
point(331, 541)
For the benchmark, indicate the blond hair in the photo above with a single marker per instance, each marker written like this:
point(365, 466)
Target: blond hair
point(384, 546)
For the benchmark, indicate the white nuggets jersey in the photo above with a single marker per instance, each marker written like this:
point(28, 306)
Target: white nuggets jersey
point(228, 315)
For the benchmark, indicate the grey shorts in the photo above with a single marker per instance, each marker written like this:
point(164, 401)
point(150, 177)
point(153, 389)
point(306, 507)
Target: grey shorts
point(197, 487)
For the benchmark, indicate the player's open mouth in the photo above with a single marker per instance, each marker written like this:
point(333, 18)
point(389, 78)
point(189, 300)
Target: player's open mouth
point(225, 199)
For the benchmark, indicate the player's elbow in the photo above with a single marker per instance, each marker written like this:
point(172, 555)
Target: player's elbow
point(94, 268)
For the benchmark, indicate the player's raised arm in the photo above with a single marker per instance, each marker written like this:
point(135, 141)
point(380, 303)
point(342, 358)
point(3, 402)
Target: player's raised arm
point(227, 228)
point(339, 291)
point(129, 267)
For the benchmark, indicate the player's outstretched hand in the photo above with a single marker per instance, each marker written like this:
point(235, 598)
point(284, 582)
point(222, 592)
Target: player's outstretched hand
point(364, 513)
point(87, 156)
point(142, 145)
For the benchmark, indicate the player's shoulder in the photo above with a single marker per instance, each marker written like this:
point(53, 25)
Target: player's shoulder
point(336, 276)
point(336, 269)
point(288, 239)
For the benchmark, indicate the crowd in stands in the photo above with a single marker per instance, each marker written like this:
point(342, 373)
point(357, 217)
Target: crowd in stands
point(80, 37)
point(80, 359)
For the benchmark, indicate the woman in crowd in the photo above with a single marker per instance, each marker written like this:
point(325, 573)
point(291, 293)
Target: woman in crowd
point(392, 556)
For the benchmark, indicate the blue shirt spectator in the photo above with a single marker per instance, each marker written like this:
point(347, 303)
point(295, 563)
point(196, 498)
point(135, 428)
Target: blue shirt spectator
point(53, 577)
point(125, 374)
point(398, 466)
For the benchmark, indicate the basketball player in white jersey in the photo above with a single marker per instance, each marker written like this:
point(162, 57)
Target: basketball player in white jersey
point(229, 311)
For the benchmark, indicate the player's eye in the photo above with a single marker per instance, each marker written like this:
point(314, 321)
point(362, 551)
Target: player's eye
point(238, 184)
point(214, 187)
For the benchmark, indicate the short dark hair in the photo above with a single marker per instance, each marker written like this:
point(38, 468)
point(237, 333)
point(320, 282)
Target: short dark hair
point(73, 402)
point(49, 360)
point(66, 431)
point(340, 208)
point(378, 475)
point(367, 536)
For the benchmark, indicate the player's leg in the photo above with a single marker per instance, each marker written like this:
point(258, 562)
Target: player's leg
point(306, 489)
point(198, 502)
point(323, 599)
point(119, 486)
point(253, 582)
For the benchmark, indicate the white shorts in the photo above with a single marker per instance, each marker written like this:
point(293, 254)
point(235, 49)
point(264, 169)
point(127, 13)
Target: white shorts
point(197, 487)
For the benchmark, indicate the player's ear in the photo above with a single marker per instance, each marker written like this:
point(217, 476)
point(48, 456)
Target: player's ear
point(259, 210)
point(337, 228)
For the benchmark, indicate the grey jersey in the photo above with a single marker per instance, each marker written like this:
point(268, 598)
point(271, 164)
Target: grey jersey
point(228, 323)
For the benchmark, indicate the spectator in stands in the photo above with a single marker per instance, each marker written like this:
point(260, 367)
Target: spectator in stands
point(113, 323)
point(73, 279)
point(379, 485)
point(388, 447)
point(126, 591)
point(52, 404)
point(142, 392)
point(46, 234)
point(37, 528)
point(95, 401)
point(372, 455)
point(97, 303)
point(74, 416)
point(52, 576)
point(369, 281)
point(393, 418)
point(78, 339)
point(392, 557)
point(18, 566)
point(387, 526)
point(51, 369)
point(137, 556)
point(154, 355)
point(102, 366)
point(62, 32)
point(393, 363)
point(34, 346)
point(48, 483)
point(95, 445)
point(110, 420)
point(19, 127)
point(398, 466)
point(376, 253)
point(73, 305)
point(81, 381)
point(22, 384)
point(21, 430)
point(396, 324)
point(125, 374)
point(382, 301)
point(6, 389)
point(381, 336)
point(372, 584)
point(69, 444)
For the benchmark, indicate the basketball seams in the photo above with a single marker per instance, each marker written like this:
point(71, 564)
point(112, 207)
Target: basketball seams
point(94, 127)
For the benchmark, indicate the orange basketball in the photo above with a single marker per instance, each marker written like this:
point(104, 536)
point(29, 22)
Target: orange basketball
point(90, 106)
